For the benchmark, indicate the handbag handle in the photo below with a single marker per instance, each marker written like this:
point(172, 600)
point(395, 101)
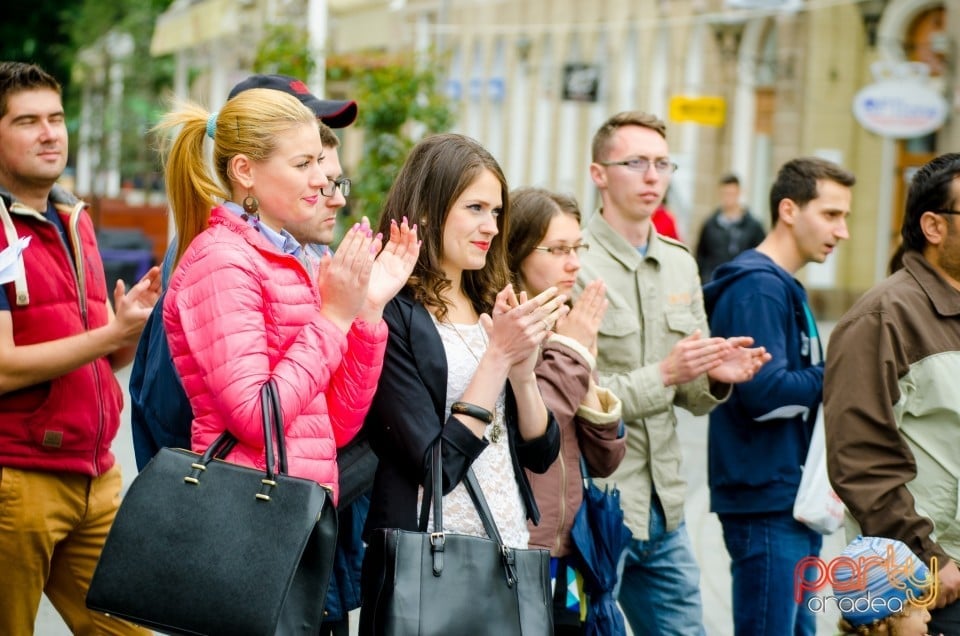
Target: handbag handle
point(273, 422)
point(437, 537)
point(508, 556)
point(434, 484)
point(480, 503)
point(473, 488)
point(272, 419)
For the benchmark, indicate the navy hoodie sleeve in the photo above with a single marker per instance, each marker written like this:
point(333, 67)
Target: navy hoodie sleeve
point(763, 309)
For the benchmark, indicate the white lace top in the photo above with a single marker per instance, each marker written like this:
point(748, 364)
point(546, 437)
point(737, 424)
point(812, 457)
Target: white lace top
point(494, 467)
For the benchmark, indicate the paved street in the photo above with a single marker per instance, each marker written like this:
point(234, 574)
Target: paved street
point(703, 526)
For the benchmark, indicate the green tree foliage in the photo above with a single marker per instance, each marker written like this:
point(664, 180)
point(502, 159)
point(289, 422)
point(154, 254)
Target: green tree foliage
point(285, 49)
point(146, 81)
point(400, 103)
point(36, 32)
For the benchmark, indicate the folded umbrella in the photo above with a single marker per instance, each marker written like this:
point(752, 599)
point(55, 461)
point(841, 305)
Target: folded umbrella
point(599, 537)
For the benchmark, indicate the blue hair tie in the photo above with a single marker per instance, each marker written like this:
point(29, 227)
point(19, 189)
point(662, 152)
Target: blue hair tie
point(212, 124)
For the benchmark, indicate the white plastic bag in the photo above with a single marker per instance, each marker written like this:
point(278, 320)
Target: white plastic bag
point(816, 504)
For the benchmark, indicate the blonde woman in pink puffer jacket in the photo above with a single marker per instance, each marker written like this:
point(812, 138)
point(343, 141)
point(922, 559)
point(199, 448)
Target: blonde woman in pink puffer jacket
point(245, 304)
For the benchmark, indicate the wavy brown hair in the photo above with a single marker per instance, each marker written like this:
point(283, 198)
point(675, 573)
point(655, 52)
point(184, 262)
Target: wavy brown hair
point(434, 175)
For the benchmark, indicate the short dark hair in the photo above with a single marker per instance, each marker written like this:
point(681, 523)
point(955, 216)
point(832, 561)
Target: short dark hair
point(601, 139)
point(730, 179)
point(929, 191)
point(797, 181)
point(21, 76)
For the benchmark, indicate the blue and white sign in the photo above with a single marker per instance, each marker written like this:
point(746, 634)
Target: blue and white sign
point(900, 109)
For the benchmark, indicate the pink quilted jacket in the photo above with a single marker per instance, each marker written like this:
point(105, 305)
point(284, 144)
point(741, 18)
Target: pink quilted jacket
point(238, 312)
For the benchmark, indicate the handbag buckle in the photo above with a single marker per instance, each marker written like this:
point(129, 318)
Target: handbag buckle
point(196, 470)
point(267, 485)
point(509, 564)
point(437, 540)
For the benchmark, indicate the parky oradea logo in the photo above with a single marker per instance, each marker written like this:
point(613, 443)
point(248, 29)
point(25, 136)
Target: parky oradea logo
point(843, 575)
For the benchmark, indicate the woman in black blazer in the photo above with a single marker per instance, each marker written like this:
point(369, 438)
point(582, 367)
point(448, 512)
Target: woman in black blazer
point(459, 363)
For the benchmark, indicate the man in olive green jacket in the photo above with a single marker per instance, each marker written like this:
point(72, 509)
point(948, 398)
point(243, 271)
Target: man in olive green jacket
point(654, 353)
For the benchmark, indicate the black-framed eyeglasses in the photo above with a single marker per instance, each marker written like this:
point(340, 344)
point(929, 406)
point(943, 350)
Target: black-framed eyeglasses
point(343, 183)
point(946, 211)
point(642, 164)
point(563, 250)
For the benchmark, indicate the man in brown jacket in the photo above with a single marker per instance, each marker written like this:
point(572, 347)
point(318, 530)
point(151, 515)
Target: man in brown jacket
point(892, 408)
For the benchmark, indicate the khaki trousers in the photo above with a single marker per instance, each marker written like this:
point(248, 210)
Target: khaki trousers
point(52, 528)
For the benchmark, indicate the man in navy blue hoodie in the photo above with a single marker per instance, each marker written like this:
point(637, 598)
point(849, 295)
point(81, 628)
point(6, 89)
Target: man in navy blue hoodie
point(758, 439)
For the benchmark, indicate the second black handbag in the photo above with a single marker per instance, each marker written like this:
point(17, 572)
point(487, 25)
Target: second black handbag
point(203, 546)
point(440, 583)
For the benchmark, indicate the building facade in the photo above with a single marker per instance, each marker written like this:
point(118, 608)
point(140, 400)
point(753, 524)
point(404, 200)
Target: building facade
point(744, 85)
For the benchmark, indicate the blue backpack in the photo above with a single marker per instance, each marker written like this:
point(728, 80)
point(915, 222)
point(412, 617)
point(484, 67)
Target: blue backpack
point(160, 410)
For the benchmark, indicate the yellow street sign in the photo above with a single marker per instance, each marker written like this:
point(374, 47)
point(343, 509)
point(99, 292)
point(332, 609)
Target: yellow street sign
point(706, 111)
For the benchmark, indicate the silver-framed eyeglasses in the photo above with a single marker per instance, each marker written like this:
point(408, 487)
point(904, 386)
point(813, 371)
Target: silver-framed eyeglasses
point(642, 164)
point(563, 250)
point(343, 183)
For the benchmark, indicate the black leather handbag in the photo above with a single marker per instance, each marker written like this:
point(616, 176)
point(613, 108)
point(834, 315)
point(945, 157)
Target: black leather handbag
point(438, 583)
point(203, 546)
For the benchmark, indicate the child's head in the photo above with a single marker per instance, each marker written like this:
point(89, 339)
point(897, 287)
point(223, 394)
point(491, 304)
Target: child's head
point(871, 588)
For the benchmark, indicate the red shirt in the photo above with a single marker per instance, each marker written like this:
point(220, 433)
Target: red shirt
point(665, 223)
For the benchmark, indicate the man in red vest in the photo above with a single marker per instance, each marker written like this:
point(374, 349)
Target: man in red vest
point(60, 342)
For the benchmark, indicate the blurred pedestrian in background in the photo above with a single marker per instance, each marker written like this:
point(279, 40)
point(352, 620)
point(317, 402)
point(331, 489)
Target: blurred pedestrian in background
point(730, 230)
point(665, 222)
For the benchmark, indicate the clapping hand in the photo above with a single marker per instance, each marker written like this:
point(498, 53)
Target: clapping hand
point(391, 269)
point(727, 360)
point(583, 321)
point(344, 278)
point(740, 362)
point(133, 307)
point(518, 325)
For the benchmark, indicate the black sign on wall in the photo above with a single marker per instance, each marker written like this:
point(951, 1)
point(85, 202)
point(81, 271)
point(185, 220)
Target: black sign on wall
point(581, 82)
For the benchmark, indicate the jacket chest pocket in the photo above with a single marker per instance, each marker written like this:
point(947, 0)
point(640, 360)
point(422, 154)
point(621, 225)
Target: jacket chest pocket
point(680, 321)
point(618, 340)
